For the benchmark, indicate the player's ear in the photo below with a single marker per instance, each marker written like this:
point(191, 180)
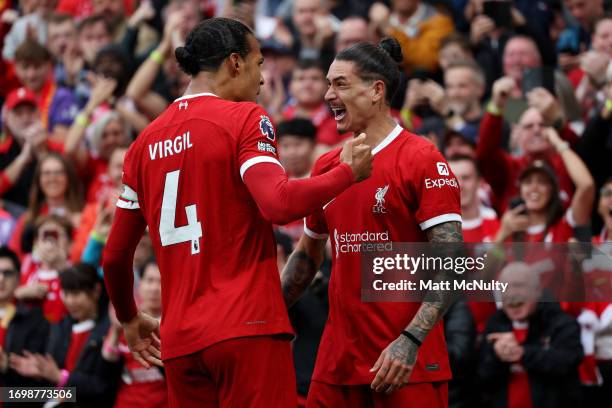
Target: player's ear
point(234, 63)
point(378, 92)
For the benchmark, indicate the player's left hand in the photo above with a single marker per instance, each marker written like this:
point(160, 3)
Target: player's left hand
point(142, 336)
point(394, 366)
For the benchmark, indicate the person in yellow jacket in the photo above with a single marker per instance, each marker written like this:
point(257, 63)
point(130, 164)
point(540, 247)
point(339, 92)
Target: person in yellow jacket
point(417, 26)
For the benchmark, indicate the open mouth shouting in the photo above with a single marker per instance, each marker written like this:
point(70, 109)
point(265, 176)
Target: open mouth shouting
point(339, 112)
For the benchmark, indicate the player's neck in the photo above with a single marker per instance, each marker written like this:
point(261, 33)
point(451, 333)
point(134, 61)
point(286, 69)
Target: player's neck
point(377, 130)
point(208, 82)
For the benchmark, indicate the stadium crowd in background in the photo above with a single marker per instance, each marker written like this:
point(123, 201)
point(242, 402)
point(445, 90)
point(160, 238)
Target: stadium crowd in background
point(516, 94)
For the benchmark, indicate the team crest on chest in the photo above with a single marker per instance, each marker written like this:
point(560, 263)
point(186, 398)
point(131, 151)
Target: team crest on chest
point(379, 206)
point(266, 127)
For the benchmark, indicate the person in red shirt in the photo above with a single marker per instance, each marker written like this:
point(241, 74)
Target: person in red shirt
point(368, 354)
point(55, 190)
point(499, 168)
point(307, 88)
point(541, 218)
point(206, 179)
point(23, 142)
point(40, 280)
point(139, 387)
point(480, 223)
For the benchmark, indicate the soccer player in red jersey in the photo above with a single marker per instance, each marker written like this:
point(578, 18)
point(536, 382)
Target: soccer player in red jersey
point(368, 353)
point(205, 178)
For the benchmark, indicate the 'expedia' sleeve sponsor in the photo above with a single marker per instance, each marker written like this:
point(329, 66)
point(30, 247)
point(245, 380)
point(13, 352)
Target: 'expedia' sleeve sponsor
point(437, 189)
point(257, 140)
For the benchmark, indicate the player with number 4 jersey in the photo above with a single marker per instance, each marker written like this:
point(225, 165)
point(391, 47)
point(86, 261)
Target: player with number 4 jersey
point(205, 178)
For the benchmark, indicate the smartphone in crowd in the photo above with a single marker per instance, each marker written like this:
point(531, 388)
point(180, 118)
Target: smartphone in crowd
point(543, 77)
point(500, 11)
point(518, 201)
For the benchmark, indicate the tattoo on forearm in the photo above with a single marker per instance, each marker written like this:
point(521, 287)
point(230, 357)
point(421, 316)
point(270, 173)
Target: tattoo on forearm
point(445, 232)
point(297, 276)
point(437, 302)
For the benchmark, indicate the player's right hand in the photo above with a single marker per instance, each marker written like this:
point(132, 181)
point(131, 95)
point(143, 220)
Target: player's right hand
point(142, 336)
point(358, 156)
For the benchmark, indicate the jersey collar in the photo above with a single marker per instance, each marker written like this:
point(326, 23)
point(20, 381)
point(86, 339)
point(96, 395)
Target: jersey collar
point(387, 140)
point(195, 96)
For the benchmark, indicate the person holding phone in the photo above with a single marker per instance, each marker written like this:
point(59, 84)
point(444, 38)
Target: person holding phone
point(39, 285)
point(501, 169)
point(540, 216)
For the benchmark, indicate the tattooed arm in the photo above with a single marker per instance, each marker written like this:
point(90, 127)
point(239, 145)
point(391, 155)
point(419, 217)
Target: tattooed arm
point(395, 363)
point(301, 268)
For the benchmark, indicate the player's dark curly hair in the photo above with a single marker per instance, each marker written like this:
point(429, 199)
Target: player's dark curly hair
point(376, 62)
point(210, 43)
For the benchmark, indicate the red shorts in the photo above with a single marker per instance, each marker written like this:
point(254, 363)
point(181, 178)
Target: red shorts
point(242, 372)
point(418, 395)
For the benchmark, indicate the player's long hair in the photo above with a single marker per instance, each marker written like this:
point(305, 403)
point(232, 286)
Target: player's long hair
point(210, 43)
point(376, 62)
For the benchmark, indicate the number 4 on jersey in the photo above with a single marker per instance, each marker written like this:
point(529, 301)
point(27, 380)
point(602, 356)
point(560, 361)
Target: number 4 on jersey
point(168, 232)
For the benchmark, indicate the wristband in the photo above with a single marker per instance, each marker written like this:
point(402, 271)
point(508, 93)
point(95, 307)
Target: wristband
point(64, 378)
point(561, 147)
point(608, 104)
point(157, 57)
point(497, 252)
point(412, 338)
point(97, 237)
point(82, 119)
point(110, 349)
point(493, 109)
point(406, 116)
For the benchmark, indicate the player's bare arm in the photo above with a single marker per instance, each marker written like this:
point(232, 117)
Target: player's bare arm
point(395, 363)
point(301, 268)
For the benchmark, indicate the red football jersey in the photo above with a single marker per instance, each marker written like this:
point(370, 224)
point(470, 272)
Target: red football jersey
point(215, 251)
point(559, 232)
point(139, 387)
point(481, 229)
point(410, 190)
point(78, 339)
point(52, 306)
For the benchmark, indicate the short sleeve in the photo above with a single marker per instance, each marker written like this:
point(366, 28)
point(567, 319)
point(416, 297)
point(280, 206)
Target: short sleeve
point(436, 188)
point(257, 140)
point(315, 225)
point(128, 200)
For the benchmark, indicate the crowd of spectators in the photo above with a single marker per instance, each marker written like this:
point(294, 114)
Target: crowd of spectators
point(517, 95)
